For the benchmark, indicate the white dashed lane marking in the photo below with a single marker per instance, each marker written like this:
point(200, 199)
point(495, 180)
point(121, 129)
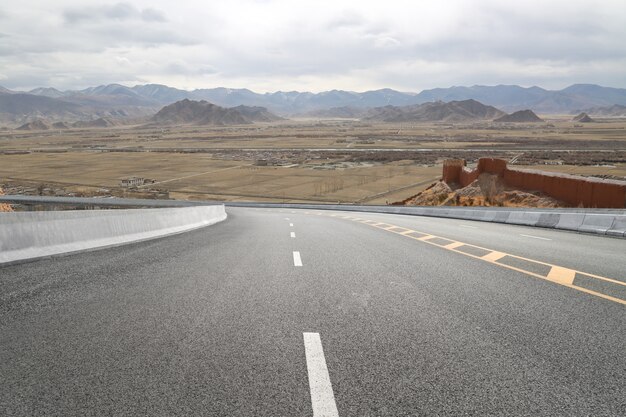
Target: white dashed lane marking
point(322, 396)
point(535, 237)
point(297, 260)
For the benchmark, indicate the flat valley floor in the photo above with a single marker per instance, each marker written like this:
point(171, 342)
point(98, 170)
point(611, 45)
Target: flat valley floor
point(345, 161)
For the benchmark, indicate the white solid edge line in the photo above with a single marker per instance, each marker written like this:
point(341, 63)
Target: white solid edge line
point(322, 397)
point(293, 234)
point(535, 237)
point(297, 261)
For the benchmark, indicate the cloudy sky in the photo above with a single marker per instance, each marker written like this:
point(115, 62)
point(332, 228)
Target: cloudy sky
point(270, 45)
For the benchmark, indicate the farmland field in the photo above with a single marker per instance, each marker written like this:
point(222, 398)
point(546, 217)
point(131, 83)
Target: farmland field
point(294, 161)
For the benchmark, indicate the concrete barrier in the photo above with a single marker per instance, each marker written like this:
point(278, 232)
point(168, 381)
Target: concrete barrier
point(570, 221)
point(593, 223)
point(523, 218)
point(610, 222)
point(548, 220)
point(618, 228)
point(31, 235)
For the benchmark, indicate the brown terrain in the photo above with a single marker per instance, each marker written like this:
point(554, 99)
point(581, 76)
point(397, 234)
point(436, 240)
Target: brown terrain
point(494, 183)
point(4, 207)
point(487, 190)
point(191, 150)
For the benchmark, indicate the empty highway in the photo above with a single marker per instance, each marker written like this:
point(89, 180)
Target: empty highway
point(320, 313)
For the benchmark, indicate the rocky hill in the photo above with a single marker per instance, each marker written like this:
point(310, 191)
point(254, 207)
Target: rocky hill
point(257, 114)
point(99, 122)
point(522, 116)
point(610, 111)
point(454, 111)
point(204, 113)
point(34, 125)
point(60, 125)
point(583, 118)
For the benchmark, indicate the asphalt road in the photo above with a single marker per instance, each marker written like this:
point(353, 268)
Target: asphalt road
point(375, 322)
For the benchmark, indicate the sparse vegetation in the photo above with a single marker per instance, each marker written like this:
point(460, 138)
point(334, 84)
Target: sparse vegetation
point(326, 161)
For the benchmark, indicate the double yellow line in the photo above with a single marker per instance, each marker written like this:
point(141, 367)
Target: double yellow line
point(556, 274)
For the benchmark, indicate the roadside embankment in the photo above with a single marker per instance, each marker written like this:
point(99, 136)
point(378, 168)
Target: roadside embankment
point(574, 190)
point(4, 207)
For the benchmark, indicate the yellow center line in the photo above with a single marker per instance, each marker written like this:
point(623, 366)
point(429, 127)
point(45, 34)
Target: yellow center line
point(562, 275)
point(558, 274)
point(493, 256)
point(401, 231)
point(453, 245)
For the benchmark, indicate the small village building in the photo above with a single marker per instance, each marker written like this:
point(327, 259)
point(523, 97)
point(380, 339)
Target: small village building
point(132, 182)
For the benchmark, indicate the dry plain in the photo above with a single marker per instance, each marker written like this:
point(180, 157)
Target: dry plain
point(344, 161)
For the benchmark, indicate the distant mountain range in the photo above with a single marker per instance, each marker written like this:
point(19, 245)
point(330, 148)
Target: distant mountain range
point(142, 101)
point(41, 124)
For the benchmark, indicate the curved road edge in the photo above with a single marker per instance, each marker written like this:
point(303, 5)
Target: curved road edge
point(607, 222)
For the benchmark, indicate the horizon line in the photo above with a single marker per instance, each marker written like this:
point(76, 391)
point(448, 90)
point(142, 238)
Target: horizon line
point(305, 91)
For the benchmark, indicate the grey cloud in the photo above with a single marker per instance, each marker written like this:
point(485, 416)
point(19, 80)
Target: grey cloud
point(116, 35)
point(278, 43)
point(152, 15)
point(120, 11)
point(188, 68)
point(62, 76)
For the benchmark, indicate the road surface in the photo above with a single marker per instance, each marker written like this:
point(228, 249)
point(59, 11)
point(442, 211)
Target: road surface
point(300, 313)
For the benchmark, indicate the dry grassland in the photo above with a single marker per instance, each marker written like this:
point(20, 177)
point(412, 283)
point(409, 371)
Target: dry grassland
point(330, 161)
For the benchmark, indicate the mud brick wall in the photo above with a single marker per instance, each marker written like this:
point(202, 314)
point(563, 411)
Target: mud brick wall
point(572, 189)
point(452, 170)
